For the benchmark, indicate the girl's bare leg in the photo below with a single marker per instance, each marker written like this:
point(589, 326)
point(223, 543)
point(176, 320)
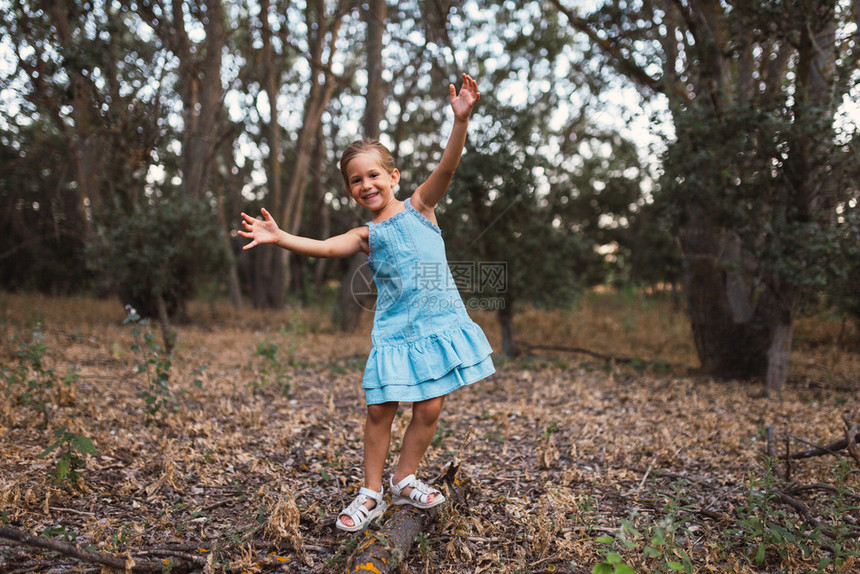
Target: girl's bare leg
point(377, 439)
point(419, 433)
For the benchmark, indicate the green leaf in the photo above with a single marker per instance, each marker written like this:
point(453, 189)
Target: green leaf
point(605, 540)
point(613, 557)
point(675, 566)
point(84, 444)
point(759, 554)
point(62, 469)
point(49, 450)
point(623, 569)
point(602, 568)
point(651, 551)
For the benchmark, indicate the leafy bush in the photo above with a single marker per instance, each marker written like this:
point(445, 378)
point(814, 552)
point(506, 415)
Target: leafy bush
point(159, 251)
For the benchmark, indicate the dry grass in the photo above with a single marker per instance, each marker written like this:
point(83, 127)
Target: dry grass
point(564, 446)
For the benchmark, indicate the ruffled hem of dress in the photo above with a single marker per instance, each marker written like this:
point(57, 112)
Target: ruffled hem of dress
point(426, 359)
point(453, 380)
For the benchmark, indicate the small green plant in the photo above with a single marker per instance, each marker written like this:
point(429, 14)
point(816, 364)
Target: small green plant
point(272, 370)
point(612, 562)
point(71, 446)
point(844, 545)
point(658, 541)
point(31, 380)
point(155, 363)
point(761, 521)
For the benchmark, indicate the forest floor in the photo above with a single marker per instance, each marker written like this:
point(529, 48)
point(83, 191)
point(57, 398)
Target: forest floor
point(573, 463)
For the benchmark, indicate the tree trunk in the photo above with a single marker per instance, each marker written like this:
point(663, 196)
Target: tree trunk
point(167, 334)
point(351, 305)
point(326, 29)
point(270, 275)
point(505, 316)
point(232, 269)
point(201, 98)
point(355, 295)
point(375, 16)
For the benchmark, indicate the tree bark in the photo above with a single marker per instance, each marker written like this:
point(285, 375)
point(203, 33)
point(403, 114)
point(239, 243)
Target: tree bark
point(505, 316)
point(233, 285)
point(270, 276)
point(375, 16)
point(201, 96)
point(324, 37)
point(351, 305)
point(356, 294)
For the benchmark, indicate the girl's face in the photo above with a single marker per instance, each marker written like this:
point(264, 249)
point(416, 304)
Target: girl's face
point(368, 183)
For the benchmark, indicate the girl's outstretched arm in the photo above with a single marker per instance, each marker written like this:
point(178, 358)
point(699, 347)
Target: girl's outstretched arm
point(431, 191)
point(265, 230)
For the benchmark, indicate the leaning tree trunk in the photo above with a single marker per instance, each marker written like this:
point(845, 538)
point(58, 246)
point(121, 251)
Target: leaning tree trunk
point(349, 307)
point(323, 40)
point(267, 293)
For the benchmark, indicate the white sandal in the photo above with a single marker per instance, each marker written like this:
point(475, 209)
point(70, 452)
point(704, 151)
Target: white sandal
point(419, 495)
point(360, 514)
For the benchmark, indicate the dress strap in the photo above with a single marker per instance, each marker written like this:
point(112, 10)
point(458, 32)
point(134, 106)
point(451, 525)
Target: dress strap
point(420, 215)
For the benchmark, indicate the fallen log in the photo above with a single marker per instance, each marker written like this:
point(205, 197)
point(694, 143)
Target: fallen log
point(382, 551)
point(126, 563)
point(832, 448)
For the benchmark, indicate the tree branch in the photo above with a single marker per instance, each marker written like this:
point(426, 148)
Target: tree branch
point(623, 63)
point(73, 551)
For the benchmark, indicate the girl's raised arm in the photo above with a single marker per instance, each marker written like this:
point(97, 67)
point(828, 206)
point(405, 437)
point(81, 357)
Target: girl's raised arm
point(265, 230)
point(431, 191)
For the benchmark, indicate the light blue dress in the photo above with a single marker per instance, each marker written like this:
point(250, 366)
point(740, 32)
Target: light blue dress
point(424, 343)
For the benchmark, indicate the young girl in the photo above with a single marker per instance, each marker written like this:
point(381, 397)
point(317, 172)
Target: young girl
point(424, 343)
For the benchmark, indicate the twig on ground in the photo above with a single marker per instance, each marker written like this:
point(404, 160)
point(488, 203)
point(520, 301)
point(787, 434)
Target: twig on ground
point(579, 350)
point(819, 450)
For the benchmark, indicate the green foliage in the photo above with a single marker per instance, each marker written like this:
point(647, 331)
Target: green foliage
point(612, 563)
point(160, 249)
point(155, 364)
point(766, 531)
point(70, 462)
point(544, 219)
point(30, 379)
point(657, 541)
point(843, 275)
point(42, 244)
point(75, 133)
point(272, 370)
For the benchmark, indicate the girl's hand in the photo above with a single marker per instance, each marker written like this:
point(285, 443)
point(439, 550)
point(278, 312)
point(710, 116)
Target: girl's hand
point(463, 102)
point(260, 230)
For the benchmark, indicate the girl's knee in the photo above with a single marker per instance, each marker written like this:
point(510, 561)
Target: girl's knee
point(381, 413)
point(427, 412)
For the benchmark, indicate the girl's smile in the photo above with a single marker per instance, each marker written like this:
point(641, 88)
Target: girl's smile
point(369, 184)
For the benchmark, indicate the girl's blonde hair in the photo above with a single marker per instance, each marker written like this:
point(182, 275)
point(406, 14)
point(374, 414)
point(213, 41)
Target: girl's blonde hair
point(386, 161)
